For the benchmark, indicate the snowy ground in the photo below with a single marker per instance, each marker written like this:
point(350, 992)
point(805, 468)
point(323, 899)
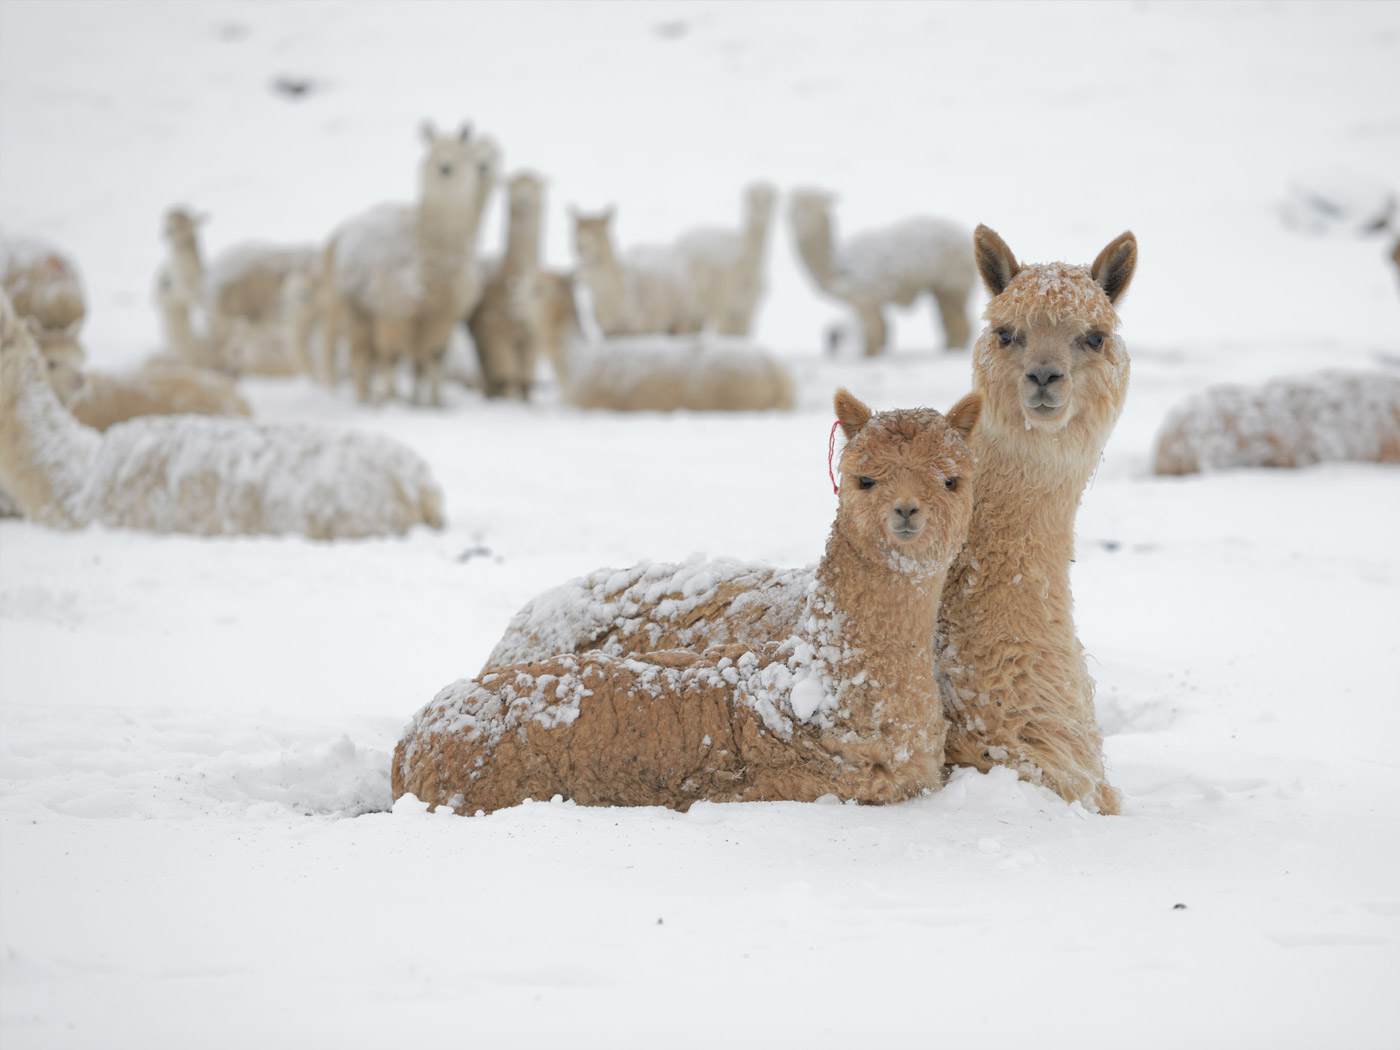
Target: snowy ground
point(188, 727)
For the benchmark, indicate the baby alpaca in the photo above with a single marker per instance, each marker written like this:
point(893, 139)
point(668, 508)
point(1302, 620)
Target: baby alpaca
point(655, 373)
point(1292, 422)
point(894, 264)
point(198, 474)
point(847, 705)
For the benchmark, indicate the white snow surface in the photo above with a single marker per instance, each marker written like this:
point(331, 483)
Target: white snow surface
point(188, 725)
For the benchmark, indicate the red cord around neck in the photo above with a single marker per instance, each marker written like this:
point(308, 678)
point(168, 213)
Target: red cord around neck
point(830, 454)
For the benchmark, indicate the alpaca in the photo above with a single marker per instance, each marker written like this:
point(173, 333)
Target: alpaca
point(1012, 581)
point(503, 342)
point(398, 277)
point(158, 388)
point(43, 284)
point(646, 292)
point(726, 266)
point(1290, 422)
point(196, 474)
point(847, 705)
point(656, 373)
point(894, 264)
point(244, 298)
point(1053, 373)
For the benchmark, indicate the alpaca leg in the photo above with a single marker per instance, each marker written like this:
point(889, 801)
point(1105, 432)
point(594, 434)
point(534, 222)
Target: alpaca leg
point(872, 326)
point(952, 309)
point(361, 358)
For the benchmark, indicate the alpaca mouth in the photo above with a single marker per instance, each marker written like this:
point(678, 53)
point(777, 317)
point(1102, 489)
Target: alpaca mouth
point(906, 533)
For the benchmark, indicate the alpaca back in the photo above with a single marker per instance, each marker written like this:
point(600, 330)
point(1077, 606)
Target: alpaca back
point(374, 264)
point(164, 389)
point(216, 476)
point(666, 374)
point(246, 280)
point(1288, 422)
point(901, 261)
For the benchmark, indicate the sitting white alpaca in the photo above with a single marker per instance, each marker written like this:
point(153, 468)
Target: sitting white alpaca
point(726, 266)
point(650, 373)
point(846, 705)
point(1018, 690)
point(894, 264)
point(1289, 422)
point(647, 291)
point(397, 278)
point(197, 474)
point(43, 284)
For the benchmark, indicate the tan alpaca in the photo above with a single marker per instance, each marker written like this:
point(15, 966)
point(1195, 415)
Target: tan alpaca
point(1053, 374)
point(725, 267)
point(1288, 422)
point(506, 350)
point(1030, 474)
point(196, 474)
point(158, 388)
point(847, 705)
point(895, 264)
point(397, 278)
point(650, 373)
point(646, 292)
point(43, 284)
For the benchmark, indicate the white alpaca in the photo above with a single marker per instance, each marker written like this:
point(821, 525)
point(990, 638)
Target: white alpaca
point(726, 266)
point(196, 474)
point(651, 373)
point(398, 277)
point(894, 264)
point(645, 292)
point(1288, 422)
point(847, 704)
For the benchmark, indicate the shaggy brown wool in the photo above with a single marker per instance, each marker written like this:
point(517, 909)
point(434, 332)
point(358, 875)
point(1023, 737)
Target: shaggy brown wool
point(848, 705)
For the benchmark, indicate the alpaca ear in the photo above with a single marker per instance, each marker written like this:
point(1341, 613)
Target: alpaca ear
point(995, 262)
point(428, 131)
point(1114, 267)
point(963, 416)
point(852, 412)
point(465, 134)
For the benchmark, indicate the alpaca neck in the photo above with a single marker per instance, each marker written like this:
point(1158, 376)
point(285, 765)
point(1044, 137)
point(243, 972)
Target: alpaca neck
point(815, 248)
point(872, 620)
point(522, 244)
point(446, 233)
point(187, 266)
point(46, 455)
point(755, 236)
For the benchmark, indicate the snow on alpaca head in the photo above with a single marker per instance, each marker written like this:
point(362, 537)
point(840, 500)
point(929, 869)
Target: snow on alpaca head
point(1050, 360)
point(451, 171)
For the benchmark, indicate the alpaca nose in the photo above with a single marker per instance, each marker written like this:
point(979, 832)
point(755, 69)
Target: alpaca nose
point(906, 509)
point(1044, 375)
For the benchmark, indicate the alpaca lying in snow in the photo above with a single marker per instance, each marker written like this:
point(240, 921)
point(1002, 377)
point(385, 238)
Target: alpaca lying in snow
point(645, 292)
point(398, 278)
point(845, 705)
point(1291, 422)
point(726, 266)
point(157, 388)
point(196, 474)
point(42, 283)
point(894, 264)
point(655, 373)
point(1052, 396)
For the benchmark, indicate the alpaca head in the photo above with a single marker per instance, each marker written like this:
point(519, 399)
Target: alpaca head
point(905, 496)
point(593, 235)
point(526, 192)
point(1049, 358)
point(449, 169)
point(810, 208)
point(181, 226)
point(759, 199)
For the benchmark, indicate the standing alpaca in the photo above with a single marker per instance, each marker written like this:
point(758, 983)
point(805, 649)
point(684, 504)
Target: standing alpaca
point(503, 342)
point(646, 292)
point(650, 373)
point(1012, 581)
point(847, 705)
point(726, 266)
point(197, 474)
point(1290, 422)
point(1053, 374)
point(398, 277)
point(895, 264)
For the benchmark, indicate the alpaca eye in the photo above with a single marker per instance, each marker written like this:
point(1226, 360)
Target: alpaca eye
point(951, 484)
point(1094, 339)
point(866, 483)
point(1004, 337)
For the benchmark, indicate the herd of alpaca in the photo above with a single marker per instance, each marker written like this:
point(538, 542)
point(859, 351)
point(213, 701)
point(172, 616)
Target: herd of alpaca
point(633, 686)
